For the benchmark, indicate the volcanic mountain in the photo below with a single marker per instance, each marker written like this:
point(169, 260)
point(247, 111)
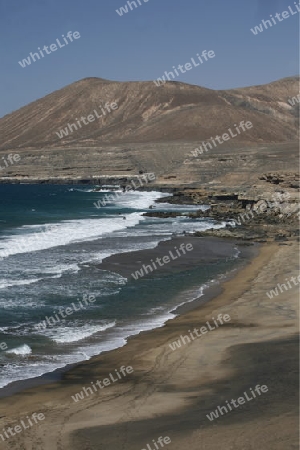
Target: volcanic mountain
point(173, 111)
point(154, 129)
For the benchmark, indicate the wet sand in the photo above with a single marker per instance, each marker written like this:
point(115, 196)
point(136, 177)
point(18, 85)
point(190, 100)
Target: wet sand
point(170, 392)
point(204, 251)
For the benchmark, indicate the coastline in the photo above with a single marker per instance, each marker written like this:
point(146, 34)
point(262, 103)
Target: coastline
point(164, 392)
point(210, 248)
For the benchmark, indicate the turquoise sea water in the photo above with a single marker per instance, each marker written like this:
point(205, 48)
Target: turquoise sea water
point(52, 239)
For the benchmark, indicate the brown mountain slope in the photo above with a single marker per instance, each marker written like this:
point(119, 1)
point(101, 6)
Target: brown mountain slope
point(147, 113)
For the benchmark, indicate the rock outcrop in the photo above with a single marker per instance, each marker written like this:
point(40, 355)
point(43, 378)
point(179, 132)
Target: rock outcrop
point(261, 212)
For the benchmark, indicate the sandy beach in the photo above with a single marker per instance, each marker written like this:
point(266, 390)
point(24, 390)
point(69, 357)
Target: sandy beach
point(149, 225)
point(170, 392)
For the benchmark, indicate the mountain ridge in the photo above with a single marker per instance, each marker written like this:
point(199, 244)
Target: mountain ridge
point(175, 111)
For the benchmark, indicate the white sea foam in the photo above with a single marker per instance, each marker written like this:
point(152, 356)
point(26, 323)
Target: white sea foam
point(192, 295)
point(23, 350)
point(57, 271)
point(81, 190)
point(67, 335)
point(65, 232)
point(110, 190)
point(136, 199)
point(8, 283)
point(30, 369)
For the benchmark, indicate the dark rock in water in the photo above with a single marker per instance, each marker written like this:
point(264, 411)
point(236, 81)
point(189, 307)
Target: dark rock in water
point(163, 214)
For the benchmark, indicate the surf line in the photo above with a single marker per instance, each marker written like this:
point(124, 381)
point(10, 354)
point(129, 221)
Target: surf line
point(62, 311)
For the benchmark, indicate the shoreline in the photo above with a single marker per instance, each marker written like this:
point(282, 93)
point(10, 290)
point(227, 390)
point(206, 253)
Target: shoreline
point(210, 291)
point(170, 392)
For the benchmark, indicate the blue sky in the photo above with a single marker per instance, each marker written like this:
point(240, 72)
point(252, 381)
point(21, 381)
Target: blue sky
point(143, 43)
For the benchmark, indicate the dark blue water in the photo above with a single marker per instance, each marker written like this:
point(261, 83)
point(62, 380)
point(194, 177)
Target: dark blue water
point(52, 239)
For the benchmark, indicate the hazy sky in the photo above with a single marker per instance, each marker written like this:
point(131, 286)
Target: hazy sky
point(143, 43)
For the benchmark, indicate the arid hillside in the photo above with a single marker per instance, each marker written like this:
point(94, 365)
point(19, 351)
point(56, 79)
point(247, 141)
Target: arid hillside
point(153, 129)
point(147, 113)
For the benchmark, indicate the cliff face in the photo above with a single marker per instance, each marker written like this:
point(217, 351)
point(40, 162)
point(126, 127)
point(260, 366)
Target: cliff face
point(147, 113)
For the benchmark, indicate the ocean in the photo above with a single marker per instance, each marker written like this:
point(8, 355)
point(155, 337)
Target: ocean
point(52, 239)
